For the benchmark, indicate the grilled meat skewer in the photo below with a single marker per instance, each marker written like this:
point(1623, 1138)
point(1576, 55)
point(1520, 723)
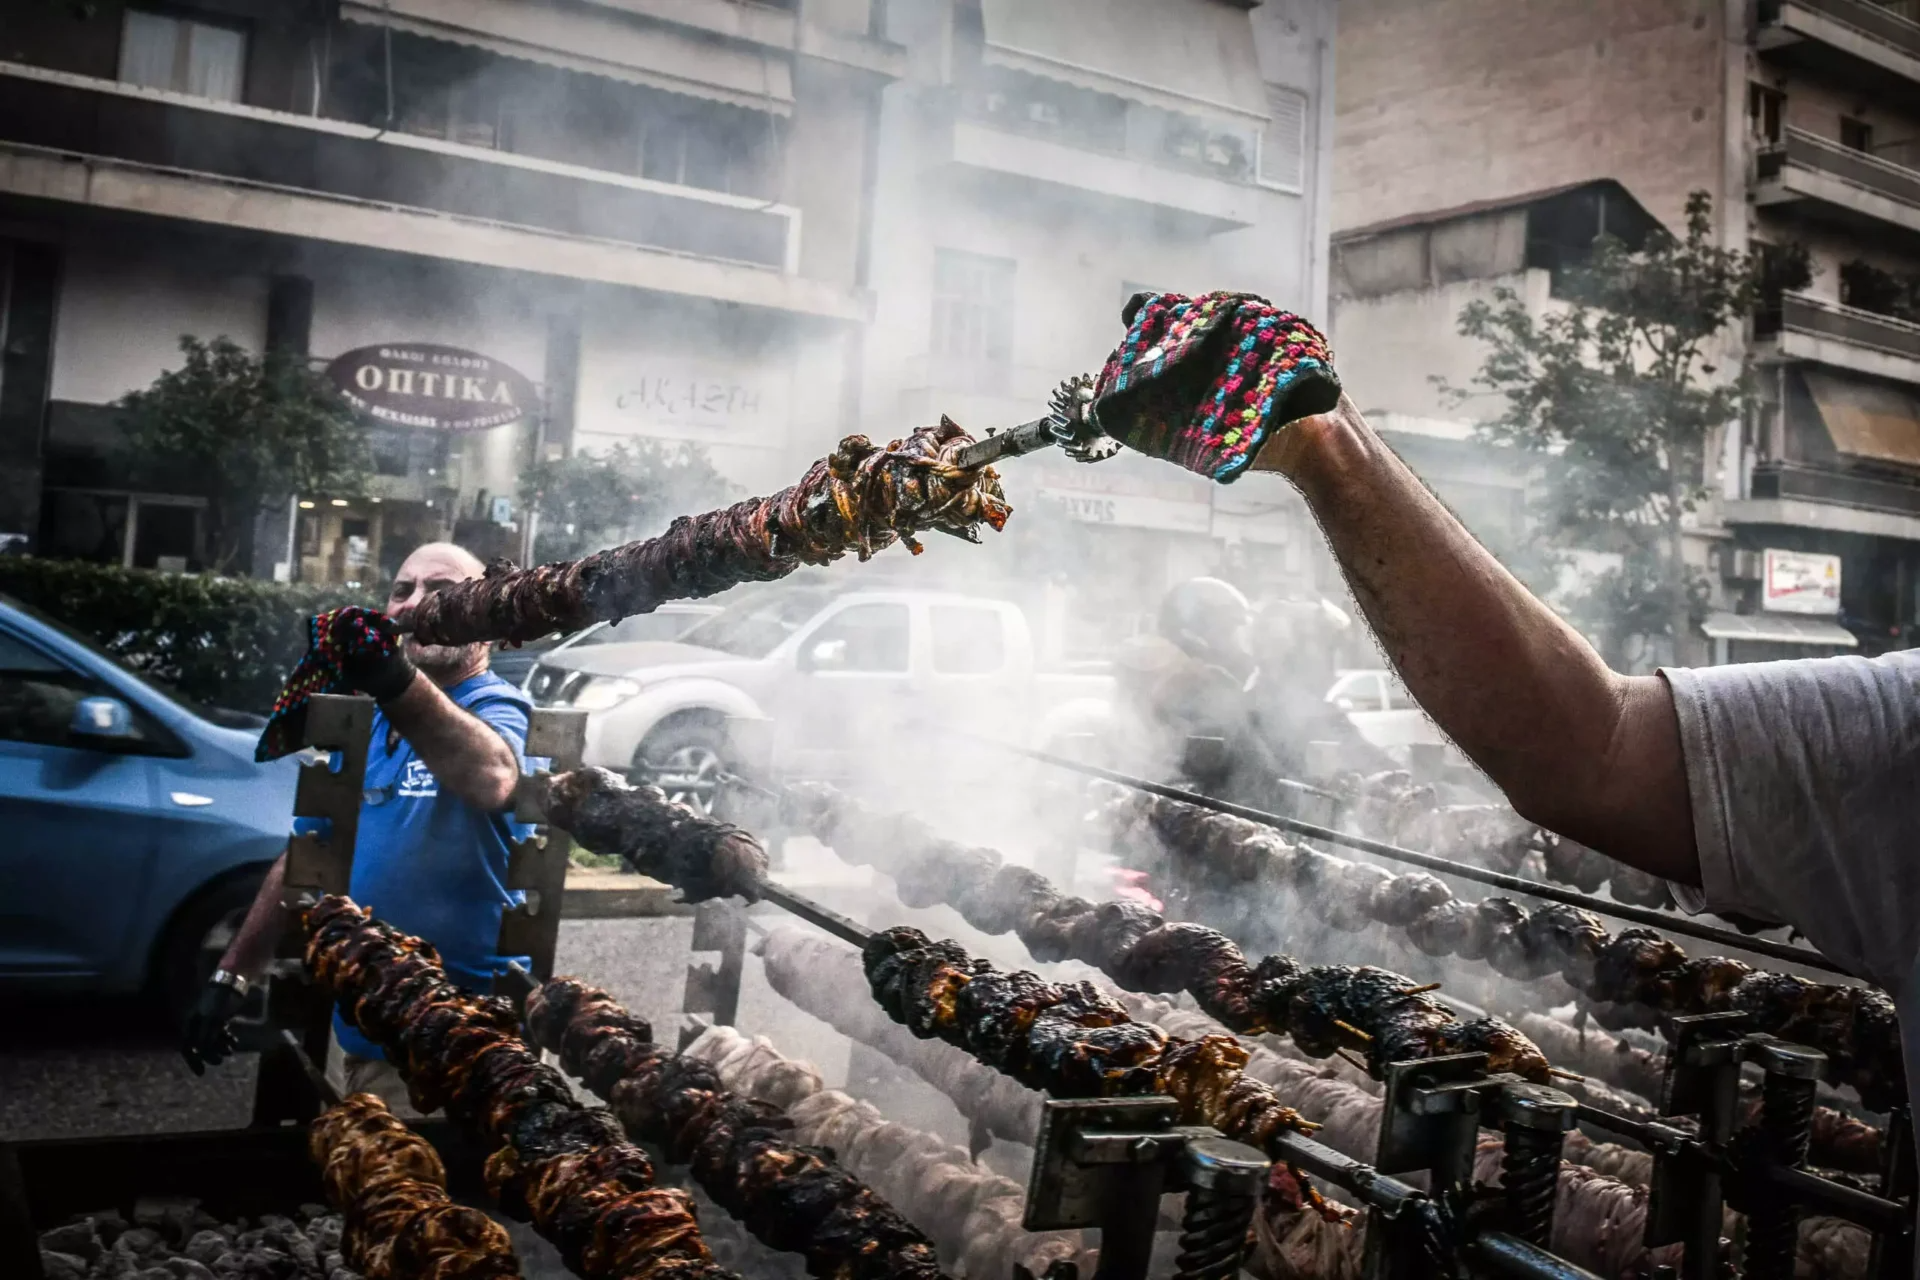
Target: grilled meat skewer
point(389, 1184)
point(1645, 975)
point(859, 498)
point(702, 857)
point(565, 1166)
point(791, 1197)
point(1381, 1015)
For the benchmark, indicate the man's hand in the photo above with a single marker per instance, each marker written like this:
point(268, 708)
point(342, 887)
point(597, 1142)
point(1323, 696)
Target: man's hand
point(372, 654)
point(208, 1039)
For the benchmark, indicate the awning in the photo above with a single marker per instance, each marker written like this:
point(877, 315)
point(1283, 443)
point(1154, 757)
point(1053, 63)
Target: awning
point(1868, 419)
point(1183, 55)
point(598, 44)
point(1775, 628)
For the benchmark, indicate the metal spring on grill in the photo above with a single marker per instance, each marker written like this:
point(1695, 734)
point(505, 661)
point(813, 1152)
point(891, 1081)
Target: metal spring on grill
point(1786, 1123)
point(1213, 1234)
point(1529, 1179)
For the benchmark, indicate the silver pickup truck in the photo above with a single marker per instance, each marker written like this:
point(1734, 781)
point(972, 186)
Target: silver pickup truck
point(838, 675)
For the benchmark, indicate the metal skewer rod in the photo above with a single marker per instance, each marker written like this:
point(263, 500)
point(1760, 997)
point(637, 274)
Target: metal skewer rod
point(816, 914)
point(1446, 866)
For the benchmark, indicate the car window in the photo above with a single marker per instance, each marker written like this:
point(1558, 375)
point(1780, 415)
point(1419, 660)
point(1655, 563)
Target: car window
point(755, 626)
point(38, 695)
point(865, 637)
point(1398, 699)
point(967, 641)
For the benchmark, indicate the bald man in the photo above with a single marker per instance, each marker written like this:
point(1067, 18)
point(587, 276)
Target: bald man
point(449, 741)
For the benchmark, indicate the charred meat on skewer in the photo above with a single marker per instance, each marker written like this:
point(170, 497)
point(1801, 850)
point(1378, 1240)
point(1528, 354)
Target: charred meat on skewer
point(702, 857)
point(860, 498)
point(792, 1197)
point(567, 1167)
point(1383, 1016)
point(388, 1182)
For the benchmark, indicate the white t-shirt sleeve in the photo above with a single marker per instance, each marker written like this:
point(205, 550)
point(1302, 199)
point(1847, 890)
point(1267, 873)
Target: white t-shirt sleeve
point(1805, 786)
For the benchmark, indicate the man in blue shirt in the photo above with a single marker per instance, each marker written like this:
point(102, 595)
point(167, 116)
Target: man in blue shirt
point(449, 743)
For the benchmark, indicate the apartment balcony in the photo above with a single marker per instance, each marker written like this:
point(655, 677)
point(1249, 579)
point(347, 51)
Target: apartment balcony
point(1843, 337)
point(79, 141)
point(1839, 185)
point(1102, 170)
point(1831, 499)
point(1874, 48)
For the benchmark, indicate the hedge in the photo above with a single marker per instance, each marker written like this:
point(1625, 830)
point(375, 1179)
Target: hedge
point(228, 642)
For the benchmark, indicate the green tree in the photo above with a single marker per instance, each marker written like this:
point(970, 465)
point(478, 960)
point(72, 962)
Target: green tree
point(1618, 392)
point(593, 500)
point(244, 432)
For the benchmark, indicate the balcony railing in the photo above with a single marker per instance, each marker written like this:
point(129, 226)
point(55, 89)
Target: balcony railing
point(1837, 486)
point(1802, 313)
point(1880, 23)
point(1869, 172)
point(89, 117)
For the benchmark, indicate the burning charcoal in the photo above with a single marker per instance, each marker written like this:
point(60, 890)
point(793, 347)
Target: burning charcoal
point(860, 499)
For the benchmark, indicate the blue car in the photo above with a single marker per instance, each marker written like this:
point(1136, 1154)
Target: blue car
point(134, 827)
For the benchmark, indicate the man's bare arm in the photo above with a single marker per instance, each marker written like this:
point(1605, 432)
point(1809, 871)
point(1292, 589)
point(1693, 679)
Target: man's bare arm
point(1579, 749)
point(465, 753)
point(254, 941)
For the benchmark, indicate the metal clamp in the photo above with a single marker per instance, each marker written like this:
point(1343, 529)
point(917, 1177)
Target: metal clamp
point(1105, 1162)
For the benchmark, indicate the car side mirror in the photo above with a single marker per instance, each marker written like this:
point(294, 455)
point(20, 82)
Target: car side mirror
point(1345, 704)
point(103, 723)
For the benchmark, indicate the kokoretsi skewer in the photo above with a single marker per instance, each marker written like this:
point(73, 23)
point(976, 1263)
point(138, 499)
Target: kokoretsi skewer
point(389, 1185)
point(1645, 975)
point(860, 498)
point(742, 1152)
point(1383, 1016)
point(566, 1166)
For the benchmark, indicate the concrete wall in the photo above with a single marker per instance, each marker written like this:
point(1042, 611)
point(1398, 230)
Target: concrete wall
point(1445, 102)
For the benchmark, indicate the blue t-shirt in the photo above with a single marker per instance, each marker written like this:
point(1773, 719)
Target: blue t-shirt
point(429, 863)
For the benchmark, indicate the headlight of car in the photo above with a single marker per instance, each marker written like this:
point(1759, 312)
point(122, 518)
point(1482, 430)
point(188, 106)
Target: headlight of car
point(601, 692)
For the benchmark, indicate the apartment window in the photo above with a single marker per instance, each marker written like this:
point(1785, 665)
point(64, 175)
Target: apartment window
point(160, 51)
point(715, 147)
point(1765, 108)
point(1856, 134)
point(1283, 142)
point(973, 310)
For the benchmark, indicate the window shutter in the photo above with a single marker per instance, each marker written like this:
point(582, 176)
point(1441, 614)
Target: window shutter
point(1283, 143)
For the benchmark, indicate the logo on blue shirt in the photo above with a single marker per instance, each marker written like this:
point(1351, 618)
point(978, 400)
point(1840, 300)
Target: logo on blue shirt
point(418, 781)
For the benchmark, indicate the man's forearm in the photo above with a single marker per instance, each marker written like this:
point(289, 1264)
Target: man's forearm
point(463, 751)
point(254, 941)
point(1590, 754)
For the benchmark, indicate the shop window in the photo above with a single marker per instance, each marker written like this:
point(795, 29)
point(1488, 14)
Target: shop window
point(392, 452)
point(1283, 141)
point(973, 318)
point(75, 525)
point(161, 51)
point(166, 536)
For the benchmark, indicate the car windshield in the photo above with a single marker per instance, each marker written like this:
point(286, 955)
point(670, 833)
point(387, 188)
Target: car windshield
point(664, 625)
point(754, 627)
point(226, 717)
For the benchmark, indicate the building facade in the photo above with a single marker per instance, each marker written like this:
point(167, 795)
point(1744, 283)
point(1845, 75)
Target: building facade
point(1039, 164)
point(1798, 117)
point(654, 214)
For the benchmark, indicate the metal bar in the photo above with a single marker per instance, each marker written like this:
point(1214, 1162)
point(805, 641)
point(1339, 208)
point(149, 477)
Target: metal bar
point(1511, 1256)
point(814, 913)
point(1862, 1207)
point(1446, 866)
point(1028, 437)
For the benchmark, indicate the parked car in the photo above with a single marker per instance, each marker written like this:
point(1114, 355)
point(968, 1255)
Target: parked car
point(836, 674)
point(138, 825)
point(664, 623)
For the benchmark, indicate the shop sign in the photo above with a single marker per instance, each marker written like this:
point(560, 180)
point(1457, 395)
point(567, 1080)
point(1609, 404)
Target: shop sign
point(424, 384)
point(1109, 493)
point(686, 400)
point(1801, 582)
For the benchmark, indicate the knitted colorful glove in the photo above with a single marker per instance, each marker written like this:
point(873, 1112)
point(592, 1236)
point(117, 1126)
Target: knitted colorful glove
point(349, 650)
point(1202, 382)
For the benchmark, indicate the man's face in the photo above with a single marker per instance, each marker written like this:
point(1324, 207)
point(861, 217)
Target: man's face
point(424, 572)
